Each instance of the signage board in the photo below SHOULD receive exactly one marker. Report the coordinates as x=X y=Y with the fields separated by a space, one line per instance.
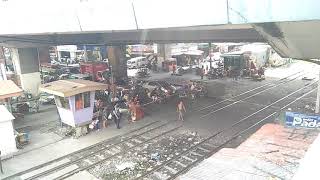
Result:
x=295 y=119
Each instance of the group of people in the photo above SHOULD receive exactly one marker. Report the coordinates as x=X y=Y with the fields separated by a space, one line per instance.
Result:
x=112 y=104
x=105 y=112
x=192 y=90
x=107 y=107
x=157 y=95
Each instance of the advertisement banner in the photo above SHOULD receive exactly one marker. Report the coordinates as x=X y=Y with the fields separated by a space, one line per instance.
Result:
x=295 y=119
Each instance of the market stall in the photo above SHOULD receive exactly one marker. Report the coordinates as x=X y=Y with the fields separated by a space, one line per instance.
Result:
x=74 y=99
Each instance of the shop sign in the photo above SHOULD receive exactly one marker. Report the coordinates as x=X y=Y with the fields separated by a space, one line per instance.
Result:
x=295 y=119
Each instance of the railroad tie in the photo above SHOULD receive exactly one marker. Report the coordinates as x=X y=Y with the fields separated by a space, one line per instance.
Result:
x=173 y=171
x=129 y=144
x=108 y=152
x=203 y=149
x=137 y=140
x=187 y=158
x=143 y=138
x=115 y=150
x=179 y=163
x=101 y=157
x=209 y=145
x=88 y=161
x=196 y=154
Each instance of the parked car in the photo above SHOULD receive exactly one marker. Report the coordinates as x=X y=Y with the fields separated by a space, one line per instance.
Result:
x=137 y=62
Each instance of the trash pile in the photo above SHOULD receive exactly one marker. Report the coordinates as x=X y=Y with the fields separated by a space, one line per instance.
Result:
x=138 y=161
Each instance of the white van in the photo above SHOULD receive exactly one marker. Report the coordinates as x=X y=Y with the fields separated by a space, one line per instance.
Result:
x=137 y=62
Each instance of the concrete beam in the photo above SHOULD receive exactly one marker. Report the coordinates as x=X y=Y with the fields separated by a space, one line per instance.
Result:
x=225 y=33
x=298 y=40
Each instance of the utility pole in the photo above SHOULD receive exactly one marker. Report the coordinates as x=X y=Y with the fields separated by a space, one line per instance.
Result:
x=318 y=96
x=210 y=60
x=85 y=53
x=1 y=169
x=228 y=18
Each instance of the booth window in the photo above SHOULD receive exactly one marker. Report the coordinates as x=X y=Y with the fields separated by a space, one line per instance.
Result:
x=82 y=100
x=86 y=99
x=62 y=102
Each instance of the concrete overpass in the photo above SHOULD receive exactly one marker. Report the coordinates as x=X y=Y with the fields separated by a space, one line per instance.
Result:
x=289 y=26
x=218 y=33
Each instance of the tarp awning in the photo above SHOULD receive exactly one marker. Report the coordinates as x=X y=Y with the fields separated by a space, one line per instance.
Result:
x=189 y=52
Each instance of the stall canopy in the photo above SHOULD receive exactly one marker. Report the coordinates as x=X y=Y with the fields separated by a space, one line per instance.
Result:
x=67 y=88
x=188 y=52
x=9 y=89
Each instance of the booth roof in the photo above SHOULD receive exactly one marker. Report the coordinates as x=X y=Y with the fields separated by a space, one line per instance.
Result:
x=9 y=89
x=71 y=87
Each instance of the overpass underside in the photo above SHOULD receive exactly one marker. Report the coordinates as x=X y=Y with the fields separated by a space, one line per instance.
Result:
x=289 y=26
x=218 y=33
x=299 y=39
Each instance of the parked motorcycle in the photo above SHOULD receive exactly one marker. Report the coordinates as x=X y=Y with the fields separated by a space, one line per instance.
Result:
x=143 y=72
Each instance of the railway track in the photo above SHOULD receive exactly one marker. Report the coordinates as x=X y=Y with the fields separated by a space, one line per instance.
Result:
x=249 y=94
x=257 y=90
x=187 y=158
x=90 y=150
x=92 y=162
x=183 y=159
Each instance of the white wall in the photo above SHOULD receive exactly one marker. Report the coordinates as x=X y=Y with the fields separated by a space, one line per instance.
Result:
x=7 y=140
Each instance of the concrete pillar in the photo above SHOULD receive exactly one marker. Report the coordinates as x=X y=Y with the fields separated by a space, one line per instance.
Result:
x=2 y=65
x=164 y=51
x=2 y=57
x=44 y=56
x=116 y=57
x=26 y=63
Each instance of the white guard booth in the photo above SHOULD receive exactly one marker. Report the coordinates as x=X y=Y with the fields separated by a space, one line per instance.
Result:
x=7 y=139
x=8 y=89
x=74 y=99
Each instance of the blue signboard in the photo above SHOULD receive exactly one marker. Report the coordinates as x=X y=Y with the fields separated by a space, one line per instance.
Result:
x=295 y=119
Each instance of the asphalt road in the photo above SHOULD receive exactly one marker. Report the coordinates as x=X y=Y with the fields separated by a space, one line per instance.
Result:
x=215 y=116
